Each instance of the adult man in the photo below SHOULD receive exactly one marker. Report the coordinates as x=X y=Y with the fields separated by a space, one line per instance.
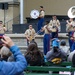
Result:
x=16 y=67
x=2 y=28
x=47 y=29
x=55 y=25
x=41 y=18
x=2 y=32
x=69 y=28
x=30 y=34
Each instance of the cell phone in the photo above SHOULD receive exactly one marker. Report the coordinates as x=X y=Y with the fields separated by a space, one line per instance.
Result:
x=1 y=37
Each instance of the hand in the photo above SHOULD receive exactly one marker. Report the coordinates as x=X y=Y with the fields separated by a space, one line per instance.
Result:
x=67 y=21
x=7 y=41
x=27 y=38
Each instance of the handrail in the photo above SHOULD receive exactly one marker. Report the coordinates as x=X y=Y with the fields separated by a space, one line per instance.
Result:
x=6 y=23
x=10 y=21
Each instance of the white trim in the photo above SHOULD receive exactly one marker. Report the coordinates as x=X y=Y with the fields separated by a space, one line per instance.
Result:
x=6 y=0
x=21 y=12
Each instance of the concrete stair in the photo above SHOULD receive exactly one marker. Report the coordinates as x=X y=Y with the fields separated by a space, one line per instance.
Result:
x=20 y=40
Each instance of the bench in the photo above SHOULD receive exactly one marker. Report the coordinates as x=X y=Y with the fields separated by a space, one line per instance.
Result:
x=50 y=67
x=45 y=69
x=60 y=64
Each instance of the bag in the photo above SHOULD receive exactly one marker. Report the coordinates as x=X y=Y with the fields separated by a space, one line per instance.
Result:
x=56 y=60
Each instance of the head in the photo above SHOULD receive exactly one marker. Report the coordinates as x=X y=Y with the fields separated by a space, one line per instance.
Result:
x=5 y=52
x=34 y=43
x=47 y=22
x=41 y=7
x=32 y=47
x=54 y=17
x=1 y=22
x=55 y=43
x=30 y=27
x=63 y=43
x=71 y=19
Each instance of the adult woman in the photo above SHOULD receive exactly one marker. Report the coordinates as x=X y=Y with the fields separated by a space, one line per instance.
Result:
x=33 y=55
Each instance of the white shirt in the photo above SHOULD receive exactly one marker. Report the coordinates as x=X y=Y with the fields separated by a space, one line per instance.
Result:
x=65 y=49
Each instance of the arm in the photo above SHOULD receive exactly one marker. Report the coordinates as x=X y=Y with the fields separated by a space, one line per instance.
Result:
x=26 y=35
x=16 y=67
x=58 y=23
x=49 y=28
x=4 y=28
x=42 y=14
x=49 y=54
x=50 y=23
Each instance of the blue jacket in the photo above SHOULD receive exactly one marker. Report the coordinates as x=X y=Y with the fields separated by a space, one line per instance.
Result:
x=13 y=68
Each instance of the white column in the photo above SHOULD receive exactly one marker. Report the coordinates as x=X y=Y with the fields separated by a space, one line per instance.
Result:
x=21 y=12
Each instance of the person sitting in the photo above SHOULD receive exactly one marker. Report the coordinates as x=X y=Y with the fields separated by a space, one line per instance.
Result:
x=15 y=67
x=71 y=58
x=56 y=52
x=64 y=47
x=33 y=56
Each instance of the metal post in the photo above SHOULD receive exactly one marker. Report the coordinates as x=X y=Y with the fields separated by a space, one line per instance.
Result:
x=21 y=12
x=4 y=16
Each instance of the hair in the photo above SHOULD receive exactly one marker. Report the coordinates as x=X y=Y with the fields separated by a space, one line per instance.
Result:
x=33 y=52
x=1 y=21
x=41 y=6
x=5 y=52
x=63 y=43
x=47 y=22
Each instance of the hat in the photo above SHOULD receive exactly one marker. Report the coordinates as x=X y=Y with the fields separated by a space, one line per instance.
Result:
x=55 y=42
x=63 y=42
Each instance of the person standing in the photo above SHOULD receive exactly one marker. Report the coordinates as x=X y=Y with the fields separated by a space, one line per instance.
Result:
x=55 y=25
x=16 y=67
x=30 y=34
x=2 y=32
x=69 y=28
x=46 y=40
x=2 y=28
x=41 y=18
x=73 y=39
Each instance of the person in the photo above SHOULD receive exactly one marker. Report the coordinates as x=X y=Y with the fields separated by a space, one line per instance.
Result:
x=41 y=18
x=16 y=67
x=30 y=34
x=33 y=56
x=64 y=47
x=56 y=52
x=2 y=32
x=69 y=28
x=2 y=28
x=47 y=36
x=55 y=23
x=5 y=53
x=73 y=39
x=71 y=58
